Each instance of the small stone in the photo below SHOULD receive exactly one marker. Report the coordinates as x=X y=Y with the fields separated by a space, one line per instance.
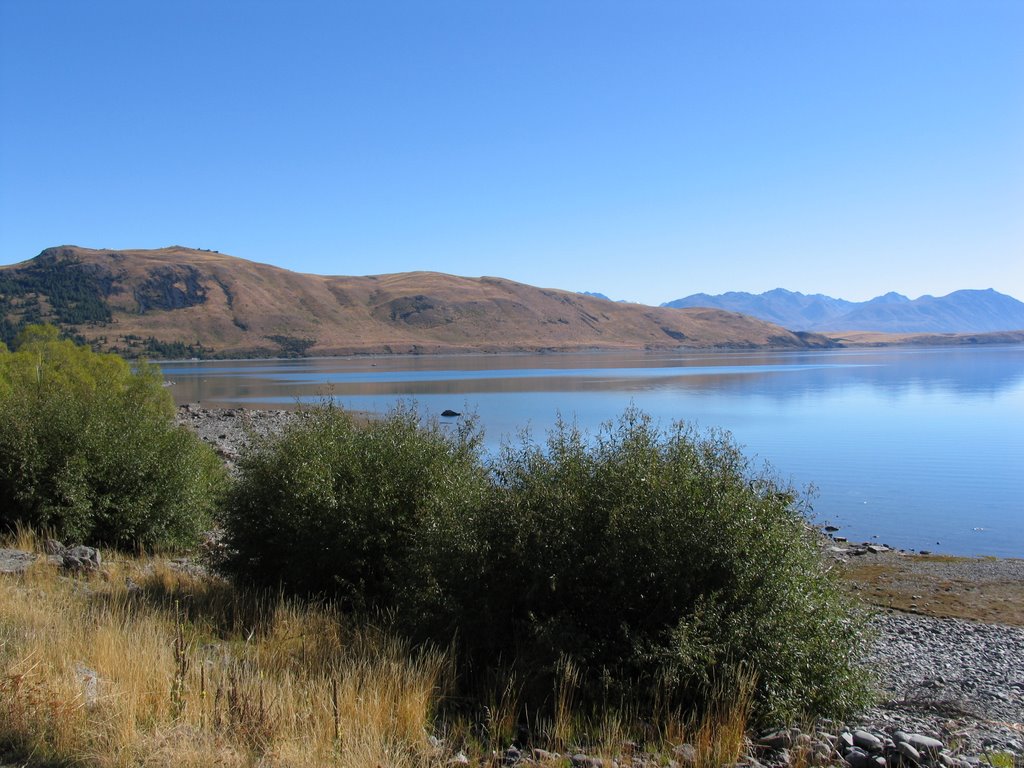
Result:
x=867 y=741
x=90 y=681
x=924 y=743
x=776 y=740
x=907 y=750
x=686 y=754
x=821 y=753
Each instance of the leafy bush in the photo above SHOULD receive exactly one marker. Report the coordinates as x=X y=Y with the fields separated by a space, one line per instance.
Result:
x=357 y=511
x=89 y=450
x=661 y=564
x=655 y=564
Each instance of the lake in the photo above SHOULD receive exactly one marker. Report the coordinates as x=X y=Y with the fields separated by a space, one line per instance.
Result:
x=919 y=448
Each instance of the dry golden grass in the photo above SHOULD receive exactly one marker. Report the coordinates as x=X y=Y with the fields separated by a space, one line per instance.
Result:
x=181 y=670
x=144 y=665
x=718 y=737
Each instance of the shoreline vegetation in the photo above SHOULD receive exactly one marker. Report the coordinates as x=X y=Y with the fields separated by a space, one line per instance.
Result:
x=841 y=340
x=360 y=592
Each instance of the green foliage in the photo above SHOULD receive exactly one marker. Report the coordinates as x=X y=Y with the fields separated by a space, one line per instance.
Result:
x=36 y=334
x=654 y=562
x=174 y=350
x=292 y=346
x=657 y=561
x=352 y=510
x=89 y=450
x=76 y=294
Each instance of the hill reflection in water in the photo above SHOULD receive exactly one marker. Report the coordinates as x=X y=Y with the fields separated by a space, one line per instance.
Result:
x=916 y=446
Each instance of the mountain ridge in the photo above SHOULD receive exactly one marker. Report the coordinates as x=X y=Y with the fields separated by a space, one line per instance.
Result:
x=183 y=302
x=962 y=311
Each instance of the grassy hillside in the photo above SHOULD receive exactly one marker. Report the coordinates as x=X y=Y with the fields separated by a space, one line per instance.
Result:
x=181 y=302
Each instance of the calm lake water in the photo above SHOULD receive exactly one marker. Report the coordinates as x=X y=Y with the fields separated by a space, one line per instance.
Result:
x=921 y=448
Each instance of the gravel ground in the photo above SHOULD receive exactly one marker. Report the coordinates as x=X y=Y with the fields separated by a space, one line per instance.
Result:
x=957 y=680
x=229 y=430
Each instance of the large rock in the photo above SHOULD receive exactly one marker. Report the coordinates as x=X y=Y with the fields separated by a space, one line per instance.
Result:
x=53 y=547
x=15 y=561
x=81 y=558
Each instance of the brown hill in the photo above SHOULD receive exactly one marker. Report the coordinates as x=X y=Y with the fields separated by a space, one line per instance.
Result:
x=179 y=301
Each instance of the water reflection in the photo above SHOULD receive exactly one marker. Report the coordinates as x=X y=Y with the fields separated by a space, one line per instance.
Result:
x=916 y=446
x=785 y=376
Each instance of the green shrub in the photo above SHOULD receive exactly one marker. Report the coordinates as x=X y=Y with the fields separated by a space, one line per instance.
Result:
x=658 y=562
x=655 y=564
x=89 y=450
x=354 y=510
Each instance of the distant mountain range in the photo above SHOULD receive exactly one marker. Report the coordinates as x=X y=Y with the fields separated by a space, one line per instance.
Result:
x=184 y=302
x=966 y=311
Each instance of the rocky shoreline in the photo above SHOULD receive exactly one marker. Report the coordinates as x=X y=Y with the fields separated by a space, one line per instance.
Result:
x=229 y=430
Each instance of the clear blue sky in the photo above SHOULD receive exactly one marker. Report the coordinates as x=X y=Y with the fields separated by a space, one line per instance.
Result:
x=647 y=150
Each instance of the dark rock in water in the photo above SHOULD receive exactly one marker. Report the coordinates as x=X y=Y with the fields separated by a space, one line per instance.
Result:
x=450 y=412
x=831 y=528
